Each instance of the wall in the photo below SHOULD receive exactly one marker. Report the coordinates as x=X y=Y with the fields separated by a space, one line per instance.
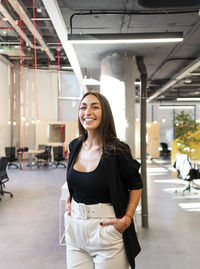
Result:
x=48 y=107
x=70 y=88
x=47 y=101
x=5 y=132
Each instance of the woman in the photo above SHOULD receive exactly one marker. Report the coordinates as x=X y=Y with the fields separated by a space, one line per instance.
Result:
x=105 y=188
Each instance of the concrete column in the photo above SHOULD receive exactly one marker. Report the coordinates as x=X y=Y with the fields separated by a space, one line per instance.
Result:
x=15 y=113
x=117 y=84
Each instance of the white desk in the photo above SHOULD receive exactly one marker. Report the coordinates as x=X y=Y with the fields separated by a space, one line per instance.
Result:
x=195 y=163
x=30 y=153
x=63 y=197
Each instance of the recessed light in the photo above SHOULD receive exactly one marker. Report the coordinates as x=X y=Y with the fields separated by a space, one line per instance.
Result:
x=39 y=10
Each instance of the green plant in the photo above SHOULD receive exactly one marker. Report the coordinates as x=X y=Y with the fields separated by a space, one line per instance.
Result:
x=184 y=129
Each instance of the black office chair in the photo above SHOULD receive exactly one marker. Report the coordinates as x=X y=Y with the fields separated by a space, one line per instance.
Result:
x=165 y=151
x=58 y=156
x=45 y=157
x=3 y=176
x=185 y=170
x=10 y=153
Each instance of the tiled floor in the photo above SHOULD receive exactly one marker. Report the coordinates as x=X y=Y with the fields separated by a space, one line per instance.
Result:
x=29 y=221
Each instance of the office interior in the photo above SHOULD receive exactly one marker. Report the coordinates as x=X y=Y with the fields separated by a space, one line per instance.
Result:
x=45 y=70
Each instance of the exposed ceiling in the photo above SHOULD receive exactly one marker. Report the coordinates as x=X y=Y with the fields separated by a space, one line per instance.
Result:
x=173 y=68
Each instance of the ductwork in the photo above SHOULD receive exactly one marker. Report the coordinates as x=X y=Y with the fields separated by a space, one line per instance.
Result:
x=18 y=8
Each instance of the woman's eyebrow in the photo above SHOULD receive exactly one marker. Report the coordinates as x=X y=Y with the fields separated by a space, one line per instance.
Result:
x=95 y=103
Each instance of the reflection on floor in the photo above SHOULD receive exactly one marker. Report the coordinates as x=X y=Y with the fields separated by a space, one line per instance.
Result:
x=29 y=221
x=172 y=239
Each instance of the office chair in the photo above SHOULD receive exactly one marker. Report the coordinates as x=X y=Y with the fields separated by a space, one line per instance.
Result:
x=165 y=151
x=3 y=176
x=45 y=157
x=185 y=171
x=58 y=156
x=10 y=153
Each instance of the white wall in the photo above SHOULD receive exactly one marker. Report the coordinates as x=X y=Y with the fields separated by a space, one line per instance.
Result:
x=5 y=134
x=47 y=100
x=70 y=88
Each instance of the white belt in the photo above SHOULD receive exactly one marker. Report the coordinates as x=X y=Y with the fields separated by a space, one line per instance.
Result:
x=100 y=210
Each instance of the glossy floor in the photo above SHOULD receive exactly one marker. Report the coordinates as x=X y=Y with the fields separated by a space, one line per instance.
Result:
x=29 y=221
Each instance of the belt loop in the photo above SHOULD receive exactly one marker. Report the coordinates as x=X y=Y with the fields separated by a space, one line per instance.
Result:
x=83 y=211
x=100 y=210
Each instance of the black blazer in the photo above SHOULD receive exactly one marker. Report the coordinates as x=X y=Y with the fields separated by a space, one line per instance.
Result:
x=121 y=171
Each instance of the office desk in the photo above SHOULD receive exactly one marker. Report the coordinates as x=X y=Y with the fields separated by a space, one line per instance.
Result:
x=30 y=153
x=63 y=197
x=195 y=163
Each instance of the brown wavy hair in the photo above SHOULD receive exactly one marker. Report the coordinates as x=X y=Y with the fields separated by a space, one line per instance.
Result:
x=106 y=129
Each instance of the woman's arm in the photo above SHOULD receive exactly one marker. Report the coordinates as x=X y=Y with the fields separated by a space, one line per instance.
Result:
x=121 y=224
x=134 y=199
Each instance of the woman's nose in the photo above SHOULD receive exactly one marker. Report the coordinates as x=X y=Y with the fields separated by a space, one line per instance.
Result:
x=88 y=110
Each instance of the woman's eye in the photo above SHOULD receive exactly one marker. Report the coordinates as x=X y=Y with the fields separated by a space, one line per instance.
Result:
x=95 y=107
x=82 y=107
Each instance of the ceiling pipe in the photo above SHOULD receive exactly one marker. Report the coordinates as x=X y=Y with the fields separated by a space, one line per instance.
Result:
x=20 y=11
x=163 y=12
x=182 y=74
x=16 y=27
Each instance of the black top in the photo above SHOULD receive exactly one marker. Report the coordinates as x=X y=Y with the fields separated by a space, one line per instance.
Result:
x=89 y=187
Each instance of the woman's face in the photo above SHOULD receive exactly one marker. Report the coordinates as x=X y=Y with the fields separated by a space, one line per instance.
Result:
x=90 y=112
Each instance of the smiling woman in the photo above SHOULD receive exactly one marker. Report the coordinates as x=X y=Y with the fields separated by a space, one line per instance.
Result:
x=105 y=188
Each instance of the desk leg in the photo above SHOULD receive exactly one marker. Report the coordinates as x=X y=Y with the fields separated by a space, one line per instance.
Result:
x=30 y=161
x=61 y=233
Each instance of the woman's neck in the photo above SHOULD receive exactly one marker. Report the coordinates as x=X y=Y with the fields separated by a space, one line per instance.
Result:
x=92 y=140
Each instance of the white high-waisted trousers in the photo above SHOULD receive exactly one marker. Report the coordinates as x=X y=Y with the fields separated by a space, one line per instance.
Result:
x=90 y=245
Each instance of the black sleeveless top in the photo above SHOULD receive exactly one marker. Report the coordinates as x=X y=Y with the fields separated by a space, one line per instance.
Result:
x=89 y=187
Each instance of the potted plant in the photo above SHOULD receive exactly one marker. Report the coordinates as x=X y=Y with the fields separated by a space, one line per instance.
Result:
x=184 y=131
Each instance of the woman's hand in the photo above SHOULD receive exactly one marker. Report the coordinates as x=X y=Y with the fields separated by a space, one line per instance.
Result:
x=119 y=224
x=68 y=205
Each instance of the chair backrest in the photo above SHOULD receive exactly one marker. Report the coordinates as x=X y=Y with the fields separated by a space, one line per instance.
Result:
x=48 y=149
x=25 y=149
x=3 y=164
x=41 y=147
x=183 y=165
x=163 y=145
x=58 y=151
x=10 y=151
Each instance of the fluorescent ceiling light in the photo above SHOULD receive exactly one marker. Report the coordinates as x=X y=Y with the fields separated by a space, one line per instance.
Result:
x=137 y=83
x=188 y=99
x=69 y=98
x=175 y=107
x=136 y=38
x=66 y=67
x=195 y=74
x=91 y=81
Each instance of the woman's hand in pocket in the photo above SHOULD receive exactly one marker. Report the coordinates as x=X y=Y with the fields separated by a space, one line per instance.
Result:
x=120 y=224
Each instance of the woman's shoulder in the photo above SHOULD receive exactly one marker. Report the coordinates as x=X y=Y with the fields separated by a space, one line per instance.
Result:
x=117 y=148
x=74 y=143
x=125 y=156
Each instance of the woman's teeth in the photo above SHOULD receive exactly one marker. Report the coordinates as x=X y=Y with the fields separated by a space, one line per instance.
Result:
x=89 y=119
